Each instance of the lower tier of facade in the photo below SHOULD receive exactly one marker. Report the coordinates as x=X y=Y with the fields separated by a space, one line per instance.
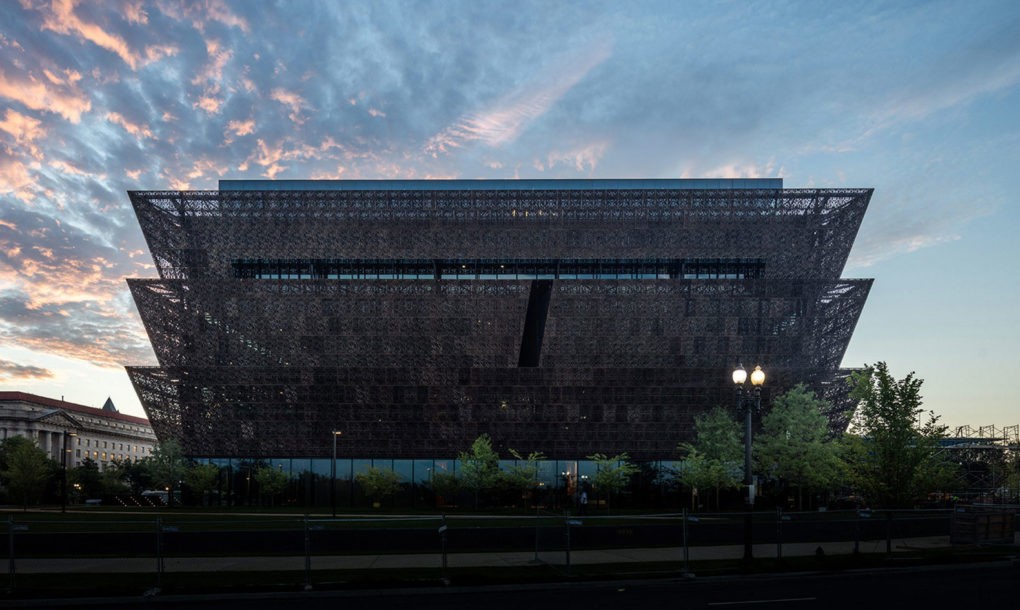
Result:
x=422 y=413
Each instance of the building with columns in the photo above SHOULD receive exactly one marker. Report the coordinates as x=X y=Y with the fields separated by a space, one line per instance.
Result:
x=103 y=434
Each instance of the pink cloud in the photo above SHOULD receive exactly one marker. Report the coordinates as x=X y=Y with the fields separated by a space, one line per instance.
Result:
x=132 y=128
x=12 y=371
x=209 y=102
x=62 y=19
x=241 y=128
x=25 y=130
x=291 y=100
x=15 y=178
x=203 y=167
x=60 y=98
x=135 y=13
x=218 y=58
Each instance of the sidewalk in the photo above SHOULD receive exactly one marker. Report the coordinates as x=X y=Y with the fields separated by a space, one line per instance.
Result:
x=461 y=560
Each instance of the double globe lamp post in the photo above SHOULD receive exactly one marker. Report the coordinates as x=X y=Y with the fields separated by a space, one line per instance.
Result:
x=749 y=402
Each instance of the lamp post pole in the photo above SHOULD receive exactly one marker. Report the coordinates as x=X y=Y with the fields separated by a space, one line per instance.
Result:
x=746 y=403
x=332 y=473
x=63 y=465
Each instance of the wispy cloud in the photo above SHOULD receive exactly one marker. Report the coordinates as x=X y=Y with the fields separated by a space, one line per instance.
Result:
x=56 y=95
x=61 y=18
x=504 y=120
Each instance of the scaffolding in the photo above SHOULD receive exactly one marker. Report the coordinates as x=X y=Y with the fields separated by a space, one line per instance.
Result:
x=989 y=459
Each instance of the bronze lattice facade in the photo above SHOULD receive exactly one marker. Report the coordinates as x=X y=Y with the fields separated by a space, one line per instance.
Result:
x=569 y=317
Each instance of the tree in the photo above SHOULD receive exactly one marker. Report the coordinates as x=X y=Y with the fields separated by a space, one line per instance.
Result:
x=202 y=479
x=114 y=477
x=444 y=485
x=271 y=481
x=719 y=436
x=696 y=471
x=612 y=473
x=794 y=444
x=27 y=470
x=479 y=467
x=523 y=475
x=378 y=483
x=86 y=478
x=893 y=458
x=714 y=460
x=166 y=465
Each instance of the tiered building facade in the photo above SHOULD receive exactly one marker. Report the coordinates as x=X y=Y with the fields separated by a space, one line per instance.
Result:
x=563 y=316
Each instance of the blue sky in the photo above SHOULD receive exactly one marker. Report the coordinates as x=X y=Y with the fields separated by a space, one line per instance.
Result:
x=919 y=100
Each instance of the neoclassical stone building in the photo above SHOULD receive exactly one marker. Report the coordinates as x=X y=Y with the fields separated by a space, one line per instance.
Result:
x=104 y=434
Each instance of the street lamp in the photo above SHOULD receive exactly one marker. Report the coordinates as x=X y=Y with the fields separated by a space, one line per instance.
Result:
x=63 y=467
x=332 y=473
x=749 y=403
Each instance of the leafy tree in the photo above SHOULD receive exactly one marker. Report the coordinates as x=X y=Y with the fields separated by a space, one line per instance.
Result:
x=719 y=436
x=202 y=479
x=714 y=460
x=137 y=475
x=114 y=477
x=166 y=465
x=612 y=473
x=893 y=458
x=87 y=477
x=696 y=471
x=271 y=481
x=479 y=466
x=27 y=470
x=523 y=475
x=444 y=484
x=378 y=483
x=794 y=444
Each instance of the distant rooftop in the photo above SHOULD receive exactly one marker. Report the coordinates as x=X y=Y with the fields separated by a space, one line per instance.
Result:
x=502 y=185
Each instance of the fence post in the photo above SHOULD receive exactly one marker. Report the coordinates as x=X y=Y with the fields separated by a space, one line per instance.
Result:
x=857 y=532
x=567 y=534
x=159 y=554
x=779 y=532
x=687 y=552
x=10 y=553
x=442 y=536
x=888 y=531
x=308 y=556
x=538 y=519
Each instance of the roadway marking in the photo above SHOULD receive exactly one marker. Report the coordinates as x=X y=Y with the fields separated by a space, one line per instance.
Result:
x=763 y=601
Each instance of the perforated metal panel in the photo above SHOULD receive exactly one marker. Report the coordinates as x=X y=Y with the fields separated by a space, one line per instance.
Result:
x=420 y=367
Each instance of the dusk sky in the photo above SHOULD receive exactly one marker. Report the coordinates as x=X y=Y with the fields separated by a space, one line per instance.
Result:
x=920 y=101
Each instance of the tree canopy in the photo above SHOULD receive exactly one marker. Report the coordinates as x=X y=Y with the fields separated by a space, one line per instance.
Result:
x=479 y=466
x=794 y=445
x=26 y=470
x=893 y=455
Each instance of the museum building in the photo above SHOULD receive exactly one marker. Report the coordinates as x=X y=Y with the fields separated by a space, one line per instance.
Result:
x=563 y=316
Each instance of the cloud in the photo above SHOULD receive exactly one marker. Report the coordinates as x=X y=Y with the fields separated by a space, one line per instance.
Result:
x=61 y=97
x=23 y=128
x=11 y=371
x=504 y=120
x=15 y=178
x=201 y=14
x=132 y=128
x=62 y=19
x=583 y=159
x=292 y=101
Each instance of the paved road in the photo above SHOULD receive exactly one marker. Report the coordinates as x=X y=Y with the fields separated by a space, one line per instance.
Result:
x=971 y=586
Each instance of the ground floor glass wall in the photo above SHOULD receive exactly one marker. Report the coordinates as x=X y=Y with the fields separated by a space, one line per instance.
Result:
x=313 y=483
